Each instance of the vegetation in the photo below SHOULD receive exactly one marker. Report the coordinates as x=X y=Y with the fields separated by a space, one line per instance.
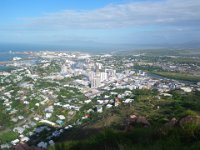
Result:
x=178 y=76
x=110 y=124
x=169 y=74
x=8 y=136
x=137 y=139
x=46 y=70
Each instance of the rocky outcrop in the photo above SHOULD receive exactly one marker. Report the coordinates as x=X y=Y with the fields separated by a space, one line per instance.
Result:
x=171 y=123
x=24 y=146
x=134 y=120
x=143 y=121
x=183 y=121
x=188 y=120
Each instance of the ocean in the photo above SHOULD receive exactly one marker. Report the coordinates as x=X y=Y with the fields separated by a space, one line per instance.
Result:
x=8 y=56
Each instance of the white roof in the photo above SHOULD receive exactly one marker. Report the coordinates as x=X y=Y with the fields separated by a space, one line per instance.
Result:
x=48 y=122
x=128 y=100
x=61 y=117
x=48 y=115
x=14 y=142
x=109 y=106
x=42 y=145
x=87 y=101
x=51 y=142
x=24 y=139
x=20 y=130
x=5 y=146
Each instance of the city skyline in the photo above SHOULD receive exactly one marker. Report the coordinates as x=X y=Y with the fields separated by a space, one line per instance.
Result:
x=106 y=24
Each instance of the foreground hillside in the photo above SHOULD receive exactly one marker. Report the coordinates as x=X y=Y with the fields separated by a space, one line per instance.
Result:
x=138 y=139
x=149 y=123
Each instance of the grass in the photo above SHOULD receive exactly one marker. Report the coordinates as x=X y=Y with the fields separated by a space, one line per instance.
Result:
x=157 y=137
x=137 y=139
x=146 y=104
x=178 y=76
x=173 y=75
x=179 y=105
x=8 y=136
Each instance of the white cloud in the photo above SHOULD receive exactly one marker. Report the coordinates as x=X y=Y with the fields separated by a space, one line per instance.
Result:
x=155 y=22
x=166 y=12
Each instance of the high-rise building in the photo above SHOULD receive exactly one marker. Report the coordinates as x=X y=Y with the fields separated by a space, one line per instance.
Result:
x=103 y=76
x=95 y=82
x=91 y=75
x=64 y=69
x=95 y=79
x=110 y=72
x=99 y=66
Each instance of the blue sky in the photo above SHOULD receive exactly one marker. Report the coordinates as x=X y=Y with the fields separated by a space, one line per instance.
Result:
x=102 y=24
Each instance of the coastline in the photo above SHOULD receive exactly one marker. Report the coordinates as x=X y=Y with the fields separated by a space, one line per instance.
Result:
x=6 y=57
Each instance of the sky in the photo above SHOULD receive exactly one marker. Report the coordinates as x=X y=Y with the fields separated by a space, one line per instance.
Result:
x=102 y=24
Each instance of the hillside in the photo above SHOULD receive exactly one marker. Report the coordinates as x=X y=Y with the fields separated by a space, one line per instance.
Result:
x=149 y=123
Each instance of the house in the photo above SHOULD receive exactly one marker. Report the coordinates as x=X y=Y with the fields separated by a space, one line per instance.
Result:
x=109 y=106
x=128 y=101
x=20 y=117
x=117 y=101
x=127 y=93
x=113 y=93
x=42 y=145
x=87 y=101
x=20 y=130
x=26 y=126
x=49 y=109
x=60 y=122
x=90 y=110
x=56 y=133
x=24 y=139
x=61 y=117
x=14 y=142
x=86 y=116
x=100 y=101
x=5 y=146
x=37 y=104
x=26 y=102
x=68 y=127
x=66 y=106
x=48 y=122
x=57 y=104
x=51 y=142
x=186 y=89
x=32 y=123
x=40 y=129
x=99 y=109
x=167 y=94
x=14 y=119
x=106 y=96
x=36 y=118
x=48 y=115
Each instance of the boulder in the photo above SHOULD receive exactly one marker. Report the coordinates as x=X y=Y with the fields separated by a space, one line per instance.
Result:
x=143 y=121
x=171 y=123
x=138 y=120
x=189 y=119
x=24 y=146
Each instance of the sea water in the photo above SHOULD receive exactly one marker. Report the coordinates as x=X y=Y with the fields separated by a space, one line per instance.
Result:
x=8 y=56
